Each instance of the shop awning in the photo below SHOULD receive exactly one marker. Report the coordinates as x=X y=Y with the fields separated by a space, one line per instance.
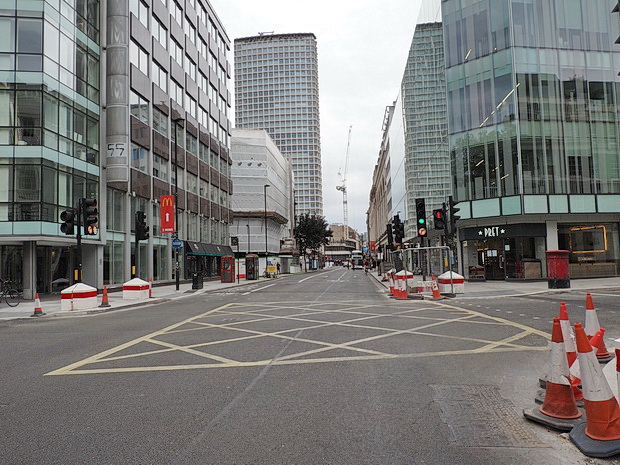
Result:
x=194 y=248
x=214 y=250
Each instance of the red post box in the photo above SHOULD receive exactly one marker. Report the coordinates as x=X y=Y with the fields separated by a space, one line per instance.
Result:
x=558 y=272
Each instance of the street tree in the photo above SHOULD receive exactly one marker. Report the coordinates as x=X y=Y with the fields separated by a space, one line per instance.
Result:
x=311 y=233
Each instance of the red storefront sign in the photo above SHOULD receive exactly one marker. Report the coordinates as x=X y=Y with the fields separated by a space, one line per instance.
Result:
x=166 y=213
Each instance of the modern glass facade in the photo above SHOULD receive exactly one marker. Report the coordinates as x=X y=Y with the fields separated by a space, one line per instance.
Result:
x=49 y=132
x=532 y=91
x=277 y=89
x=162 y=120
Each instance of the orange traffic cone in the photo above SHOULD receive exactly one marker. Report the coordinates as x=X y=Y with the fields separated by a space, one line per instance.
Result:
x=104 y=298
x=38 y=311
x=436 y=294
x=571 y=351
x=559 y=409
x=592 y=326
x=599 y=436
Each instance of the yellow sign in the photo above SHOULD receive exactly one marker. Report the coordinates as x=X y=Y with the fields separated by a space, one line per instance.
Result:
x=272 y=269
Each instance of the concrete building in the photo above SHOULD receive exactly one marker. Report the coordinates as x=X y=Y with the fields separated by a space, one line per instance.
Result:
x=66 y=136
x=343 y=242
x=379 y=213
x=263 y=200
x=277 y=89
x=533 y=135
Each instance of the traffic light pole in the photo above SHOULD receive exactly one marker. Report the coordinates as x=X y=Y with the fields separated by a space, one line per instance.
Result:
x=136 y=259
x=77 y=273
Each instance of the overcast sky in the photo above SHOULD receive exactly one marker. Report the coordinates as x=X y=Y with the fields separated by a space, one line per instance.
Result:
x=363 y=47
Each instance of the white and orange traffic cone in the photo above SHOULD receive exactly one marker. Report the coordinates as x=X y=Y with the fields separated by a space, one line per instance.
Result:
x=591 y=327
x=436 y=294
x=38 y=311
x=599 y=435
x=559 y=409
x=104 y=298
x=571 y=351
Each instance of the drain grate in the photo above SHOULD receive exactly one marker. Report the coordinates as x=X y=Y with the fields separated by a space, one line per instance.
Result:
x=479 y=417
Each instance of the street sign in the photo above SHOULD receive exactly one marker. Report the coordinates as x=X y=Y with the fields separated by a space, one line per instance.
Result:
x=177 y=243
x=166 y=213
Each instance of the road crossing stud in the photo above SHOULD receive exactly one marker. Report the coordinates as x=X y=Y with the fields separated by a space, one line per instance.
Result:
x=38 y=311
x=104 y=298
x=592 y=326
x=599 y=435
x=559 y=409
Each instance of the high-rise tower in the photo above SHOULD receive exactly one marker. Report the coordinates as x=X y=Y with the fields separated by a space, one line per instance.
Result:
x=277 y=89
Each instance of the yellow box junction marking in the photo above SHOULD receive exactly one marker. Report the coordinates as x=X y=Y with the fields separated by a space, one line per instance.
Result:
x=355 y=316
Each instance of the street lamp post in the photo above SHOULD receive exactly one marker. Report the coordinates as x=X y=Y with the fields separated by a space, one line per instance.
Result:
x=176 y=196
x=265 y=195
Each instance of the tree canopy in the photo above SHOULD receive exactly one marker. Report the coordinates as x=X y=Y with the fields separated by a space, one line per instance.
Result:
x=311 y=233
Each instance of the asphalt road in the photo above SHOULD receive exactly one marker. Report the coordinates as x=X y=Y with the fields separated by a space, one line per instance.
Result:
x=321 y=368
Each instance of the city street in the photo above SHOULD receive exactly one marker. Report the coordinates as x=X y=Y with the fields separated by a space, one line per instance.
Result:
x=313 y=368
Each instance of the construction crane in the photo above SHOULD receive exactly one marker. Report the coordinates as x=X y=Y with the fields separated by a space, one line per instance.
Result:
x=342 y=174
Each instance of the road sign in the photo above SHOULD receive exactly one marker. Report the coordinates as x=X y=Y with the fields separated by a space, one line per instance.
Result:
x=166 y=213
x=177 y=243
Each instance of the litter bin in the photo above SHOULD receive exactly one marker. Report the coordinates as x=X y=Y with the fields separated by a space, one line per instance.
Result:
x=196 y=280
x=558 y=272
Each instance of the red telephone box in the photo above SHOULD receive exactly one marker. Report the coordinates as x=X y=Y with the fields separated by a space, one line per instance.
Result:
x=228 y=270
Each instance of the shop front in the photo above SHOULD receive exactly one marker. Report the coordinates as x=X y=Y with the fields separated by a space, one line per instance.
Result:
x=204 y=259
x=504 y=252
x=594 y=249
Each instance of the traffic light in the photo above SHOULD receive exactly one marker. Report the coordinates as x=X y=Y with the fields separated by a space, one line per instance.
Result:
x=439 y=218
x=420 y=209
x=89 y=213
x=399 y=230
x=453 y=214
x=390 y=236
x=68 y=221
x=142 y=230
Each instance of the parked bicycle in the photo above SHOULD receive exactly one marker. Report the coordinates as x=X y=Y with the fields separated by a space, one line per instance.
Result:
x=9 y=292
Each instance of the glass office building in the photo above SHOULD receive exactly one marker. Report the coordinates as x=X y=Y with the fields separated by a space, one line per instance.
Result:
x=89 y=95
x=50 y=100
x=277 y=89
x=533 y=112
x=423 y=92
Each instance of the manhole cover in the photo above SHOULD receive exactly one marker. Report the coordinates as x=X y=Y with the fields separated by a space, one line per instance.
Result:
x=479 y=417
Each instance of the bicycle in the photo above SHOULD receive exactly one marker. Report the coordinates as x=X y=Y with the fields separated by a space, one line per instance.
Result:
x=10 y=293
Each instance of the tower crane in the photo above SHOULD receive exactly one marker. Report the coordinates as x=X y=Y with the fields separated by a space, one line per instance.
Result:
x=342 y=174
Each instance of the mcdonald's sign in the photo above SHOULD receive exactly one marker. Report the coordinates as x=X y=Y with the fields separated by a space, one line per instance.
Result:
x=166 y=213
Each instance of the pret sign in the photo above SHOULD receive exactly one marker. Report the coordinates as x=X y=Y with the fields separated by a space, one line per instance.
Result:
x=166 y=213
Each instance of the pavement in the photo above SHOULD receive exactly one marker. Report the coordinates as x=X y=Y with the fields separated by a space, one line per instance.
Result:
x=50 y=304
x=161 y=292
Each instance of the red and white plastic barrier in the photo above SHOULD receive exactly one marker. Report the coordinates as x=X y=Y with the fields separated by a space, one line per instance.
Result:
x=451 y=282
x=136 y=289
x=80 y=296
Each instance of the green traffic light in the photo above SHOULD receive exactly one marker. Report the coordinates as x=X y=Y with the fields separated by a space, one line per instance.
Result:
x=421 y=220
